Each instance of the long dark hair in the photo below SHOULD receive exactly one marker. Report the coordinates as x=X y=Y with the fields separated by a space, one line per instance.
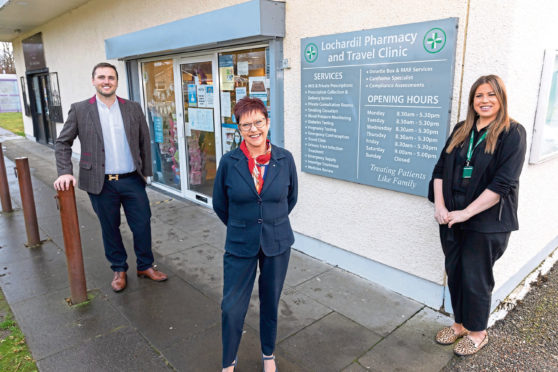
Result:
x=501 y=123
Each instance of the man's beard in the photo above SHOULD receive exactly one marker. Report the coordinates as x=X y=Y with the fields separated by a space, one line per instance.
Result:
x=106 y=95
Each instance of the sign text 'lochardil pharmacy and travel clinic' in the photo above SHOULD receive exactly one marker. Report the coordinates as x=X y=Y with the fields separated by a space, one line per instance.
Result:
x=376 y=103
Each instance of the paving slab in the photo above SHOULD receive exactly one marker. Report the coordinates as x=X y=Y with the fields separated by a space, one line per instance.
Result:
x=214 y=233
x=303 y=268
x=162 y=204
x=178 y=214
x=120 y=350
x=13 y=249
x=99 y=275
x=32 y=277
x=330 y=344
x=200 y=353
x=163 y=312
x=168 y=239
x=201 y=266
x=296 y=312
x=367 y=303
x=51 y=325
x=12 y=225
x=412 y=347
x=355 y=367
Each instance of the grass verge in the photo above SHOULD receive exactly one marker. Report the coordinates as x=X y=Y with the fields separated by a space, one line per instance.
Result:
x=12 y=121
x=14 y=353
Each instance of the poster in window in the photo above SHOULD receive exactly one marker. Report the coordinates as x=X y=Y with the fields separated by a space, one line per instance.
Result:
x=226 y=104
x=240 y=93
x=226 y=74
x=242 y=68
x=192 y=95
x=158 y=128
x=200 y=119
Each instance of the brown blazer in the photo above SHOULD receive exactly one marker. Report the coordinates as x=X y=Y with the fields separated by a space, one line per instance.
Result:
x=83 y=122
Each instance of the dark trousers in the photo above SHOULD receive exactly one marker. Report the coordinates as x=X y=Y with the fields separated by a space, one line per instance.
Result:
x=469 y=259
x=130 y=193
x=240 y=273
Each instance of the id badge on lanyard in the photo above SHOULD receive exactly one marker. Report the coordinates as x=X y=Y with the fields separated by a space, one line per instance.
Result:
x=468 y=168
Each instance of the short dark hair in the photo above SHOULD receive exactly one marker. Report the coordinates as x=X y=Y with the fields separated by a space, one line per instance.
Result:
x=247 y=105
x=103 y=64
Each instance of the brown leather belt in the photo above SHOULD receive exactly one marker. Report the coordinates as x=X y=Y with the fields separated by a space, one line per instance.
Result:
x=116 y=177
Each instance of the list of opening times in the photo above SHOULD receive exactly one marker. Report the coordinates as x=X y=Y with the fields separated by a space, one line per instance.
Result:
x=372 y=127
x=376 y=103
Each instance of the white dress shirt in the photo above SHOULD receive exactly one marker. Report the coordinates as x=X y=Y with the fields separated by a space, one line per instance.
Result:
x=118 y=158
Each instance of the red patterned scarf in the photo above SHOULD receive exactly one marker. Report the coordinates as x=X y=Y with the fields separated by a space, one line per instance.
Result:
x=255 y=164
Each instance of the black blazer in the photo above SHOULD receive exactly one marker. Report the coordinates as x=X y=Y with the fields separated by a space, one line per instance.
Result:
x=253 y=220
x=498 y=172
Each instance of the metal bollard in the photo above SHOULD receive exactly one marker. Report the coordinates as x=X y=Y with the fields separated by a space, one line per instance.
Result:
x=27 y=201
x=4 y=188
x=72 y=243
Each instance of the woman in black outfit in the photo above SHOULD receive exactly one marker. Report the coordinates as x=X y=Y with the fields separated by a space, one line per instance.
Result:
x=474 y=188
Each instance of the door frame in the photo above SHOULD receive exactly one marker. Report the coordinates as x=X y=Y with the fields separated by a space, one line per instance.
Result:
x=44 y=126
x=276 y=78
x=213 y=58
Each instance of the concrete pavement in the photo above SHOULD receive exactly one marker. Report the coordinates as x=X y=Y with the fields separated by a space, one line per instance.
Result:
x=329 y=319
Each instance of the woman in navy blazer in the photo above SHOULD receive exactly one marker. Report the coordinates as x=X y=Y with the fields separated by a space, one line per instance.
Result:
x=255 y=190
x=475 y=188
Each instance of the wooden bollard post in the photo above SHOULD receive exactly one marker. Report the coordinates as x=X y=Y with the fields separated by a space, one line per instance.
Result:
x=4 y=188
x=72 y=244
x=27 y=201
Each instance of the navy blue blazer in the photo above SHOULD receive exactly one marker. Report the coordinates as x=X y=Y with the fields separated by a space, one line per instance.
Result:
x=253 y=220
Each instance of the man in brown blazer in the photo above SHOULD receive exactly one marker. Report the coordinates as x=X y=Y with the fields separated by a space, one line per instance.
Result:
x=115 y=160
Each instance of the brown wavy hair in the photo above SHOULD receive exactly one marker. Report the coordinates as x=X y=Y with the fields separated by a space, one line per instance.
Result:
x=500 y=124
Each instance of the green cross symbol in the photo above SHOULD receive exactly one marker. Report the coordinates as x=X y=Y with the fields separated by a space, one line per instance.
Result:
x=311 y=52
x=434 y=40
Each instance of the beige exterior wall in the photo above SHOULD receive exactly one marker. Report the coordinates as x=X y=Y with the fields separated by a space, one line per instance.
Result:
x=74 y=42
x=512 y=46
x=389 y=227
x=505 y=37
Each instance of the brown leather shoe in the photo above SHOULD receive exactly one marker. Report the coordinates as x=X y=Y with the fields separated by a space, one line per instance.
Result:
x=119 y=281
x=153 y=274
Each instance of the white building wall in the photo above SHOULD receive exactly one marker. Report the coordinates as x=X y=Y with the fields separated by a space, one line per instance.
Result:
x=395 y=229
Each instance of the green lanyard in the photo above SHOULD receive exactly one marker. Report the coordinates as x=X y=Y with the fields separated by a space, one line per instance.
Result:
x=471 y=148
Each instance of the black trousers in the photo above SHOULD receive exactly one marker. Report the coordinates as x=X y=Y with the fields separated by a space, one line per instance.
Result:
x=240 y=273
x=130 y=193
x=469 y=259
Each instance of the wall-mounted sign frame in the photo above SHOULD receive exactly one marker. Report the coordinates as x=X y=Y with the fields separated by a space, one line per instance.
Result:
x=34 y=52
x=376 y=103
x=545 y=132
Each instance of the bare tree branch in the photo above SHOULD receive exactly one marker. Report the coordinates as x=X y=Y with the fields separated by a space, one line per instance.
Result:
x=7 y=63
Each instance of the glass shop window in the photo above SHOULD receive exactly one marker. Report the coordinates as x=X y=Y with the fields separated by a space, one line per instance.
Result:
x=158 y=80
x=241 y=73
